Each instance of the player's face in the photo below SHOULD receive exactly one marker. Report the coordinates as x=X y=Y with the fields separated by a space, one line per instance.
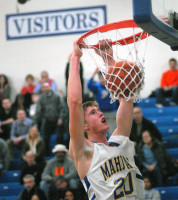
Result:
x=95 y=120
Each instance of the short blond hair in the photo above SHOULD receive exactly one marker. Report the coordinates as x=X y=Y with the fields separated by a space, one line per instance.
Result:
x=89 y=104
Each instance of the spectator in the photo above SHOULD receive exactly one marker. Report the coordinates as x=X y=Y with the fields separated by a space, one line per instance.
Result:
x=31 y=166
x=169 y=85
x=4 y=156
x=59 y=174
x=31 y=191
x=7 y=116
x=150 y=193
x=49 y=113
x=141 y=124
x=69 y=195
x=63 y=129
x=19 y=132
x=103 y=99
x=4 y=88
x=35 y=144
x=67 y=70
x=45 y=79
x=32 y=110
x=155 y=159
x=27 y=90
x=19 y=103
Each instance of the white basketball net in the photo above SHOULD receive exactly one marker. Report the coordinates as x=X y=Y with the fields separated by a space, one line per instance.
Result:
x=134 y=53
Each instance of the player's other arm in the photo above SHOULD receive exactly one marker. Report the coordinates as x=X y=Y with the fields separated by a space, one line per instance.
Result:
x=124 y=117
x=74 y=99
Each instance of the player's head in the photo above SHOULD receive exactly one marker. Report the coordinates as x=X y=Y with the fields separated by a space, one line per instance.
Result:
x=101 y=79
x=172 y=64
x=94 y=120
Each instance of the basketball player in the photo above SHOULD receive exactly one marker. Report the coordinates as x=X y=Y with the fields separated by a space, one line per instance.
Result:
x=106 y=168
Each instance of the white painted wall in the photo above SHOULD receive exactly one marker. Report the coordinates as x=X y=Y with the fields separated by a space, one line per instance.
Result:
x=20 y=57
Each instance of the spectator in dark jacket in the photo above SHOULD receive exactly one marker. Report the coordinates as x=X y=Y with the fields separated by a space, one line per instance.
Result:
x=7 y=116
x=154 y=158
x=141 y=124
x=49 y=113
x=35 y=144
x=5 y=89
x=31 y=191
x=31 y=166
x=4 y=156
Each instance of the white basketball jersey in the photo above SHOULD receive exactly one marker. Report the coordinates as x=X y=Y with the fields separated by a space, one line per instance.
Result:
x=113 y=174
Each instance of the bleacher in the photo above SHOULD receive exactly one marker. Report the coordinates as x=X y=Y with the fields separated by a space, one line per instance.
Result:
x=166 y=119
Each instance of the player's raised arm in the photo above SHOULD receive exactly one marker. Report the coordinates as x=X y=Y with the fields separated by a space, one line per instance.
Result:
x=124 y=117
x=74 y=99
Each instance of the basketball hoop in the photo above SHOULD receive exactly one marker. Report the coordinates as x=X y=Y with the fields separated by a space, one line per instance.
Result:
x=127 y=49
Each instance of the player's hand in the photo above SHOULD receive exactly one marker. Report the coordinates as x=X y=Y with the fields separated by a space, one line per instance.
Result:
x=76 y=50
x=105 y=51
x=105 y=47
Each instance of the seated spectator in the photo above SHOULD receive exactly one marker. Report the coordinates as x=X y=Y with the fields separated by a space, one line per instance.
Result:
x=27 y=90
x=169 y=85
x=141 y=124
x=7 y=116
x=50 y=113
x=19 y=103
x=31 y=191
x=19 y=132
x=59 y=174
x=31 y=166
x=69 y=195
x=155 y=160
x=45 y=79
x=32 y=110
x=35 y=144
x=150 y=193
x=4 y=88
x=4 y=156
x=103 y=99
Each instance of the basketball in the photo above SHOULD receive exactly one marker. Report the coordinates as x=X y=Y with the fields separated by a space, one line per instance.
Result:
x=123 y=77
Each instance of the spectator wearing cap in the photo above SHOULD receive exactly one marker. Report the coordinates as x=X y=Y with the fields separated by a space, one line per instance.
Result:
x=59 y=174
x=27 y=90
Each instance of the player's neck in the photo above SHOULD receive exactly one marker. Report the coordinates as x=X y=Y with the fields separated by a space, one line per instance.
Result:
x=99 y=138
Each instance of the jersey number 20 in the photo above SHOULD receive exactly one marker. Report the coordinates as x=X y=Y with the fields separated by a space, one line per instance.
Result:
x=118 y=193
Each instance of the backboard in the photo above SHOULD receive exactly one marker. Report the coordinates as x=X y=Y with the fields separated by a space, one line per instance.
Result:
x=149 y=14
